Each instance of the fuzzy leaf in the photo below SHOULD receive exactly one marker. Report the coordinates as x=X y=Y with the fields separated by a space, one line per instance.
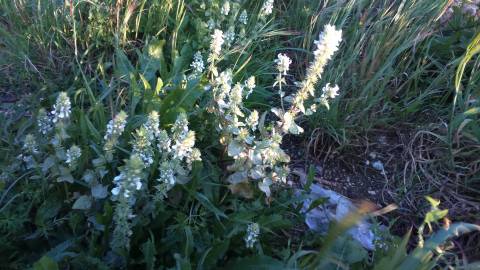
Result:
x=48 y=163
x=99 y=191
x=83 y=202
x=238 y=177
x=235 y=148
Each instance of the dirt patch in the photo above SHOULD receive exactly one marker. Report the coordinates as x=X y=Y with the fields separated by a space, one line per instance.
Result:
x=365 y=171
x=386 y=167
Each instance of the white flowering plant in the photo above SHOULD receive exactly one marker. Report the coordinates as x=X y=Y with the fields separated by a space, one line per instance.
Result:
x=166 y=147
x=169 y=141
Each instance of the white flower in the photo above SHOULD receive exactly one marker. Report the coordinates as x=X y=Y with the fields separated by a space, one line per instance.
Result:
x=250 y=85
x=211 y=24
x=164 y=141
x=216 y=45
x=225 y=10
x=152 y=126
x=184 y=145
x=253 y=231
x=230 y=36
x=142 y=146
x=327 y=44
x=222 y=89
x=62 y=108
x=30 y=144
x=328 y=41
x=73 y=154
x=180 y=127
x=243 y=17
x=167 y=174
x=116 y=126
x=236 y=97
x=252 y=120
x=195 y=155
x=224 y=79
x=311 y=110
x=197 y=65
x=44 y=122
x=130 y=178
x=267 y=8
x=330 y=92
x=283 y=63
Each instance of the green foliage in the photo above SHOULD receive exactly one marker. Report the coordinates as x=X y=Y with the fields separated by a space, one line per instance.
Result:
x=89 y=187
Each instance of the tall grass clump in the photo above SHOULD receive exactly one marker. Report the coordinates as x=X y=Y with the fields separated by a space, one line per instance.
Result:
x=397 y=70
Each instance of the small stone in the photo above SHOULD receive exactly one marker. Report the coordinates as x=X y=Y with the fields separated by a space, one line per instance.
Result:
x=378 y=165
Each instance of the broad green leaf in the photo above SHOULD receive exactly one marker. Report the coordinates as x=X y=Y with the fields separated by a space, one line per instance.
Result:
x=48 y=210
x=83 y=202
x=260 y=262
x=99 y=191
x=123 y=66
x=45 y=263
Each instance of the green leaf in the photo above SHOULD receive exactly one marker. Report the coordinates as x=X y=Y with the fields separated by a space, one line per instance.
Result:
x=99 y=191
x=259 y=262
x=188 y=241
x=182 y=263
x=152 y=60
x=214 y=254
x=65 y=175
x=421 y=256
x=136 y=94
x=472 y=111
x=209 y=205
x=179 y=99
x=432 y=201
x=83 y=202
x=48 y=210
x=316 y=203
x=149 y=252
x=435 y=215
x=395 y=255
x=48 y=163
x=472 y=49
x=123 y=67
x=349 y=250
x=310 y=177
x=158 y=86
x=60 y=251
x=45 y=263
